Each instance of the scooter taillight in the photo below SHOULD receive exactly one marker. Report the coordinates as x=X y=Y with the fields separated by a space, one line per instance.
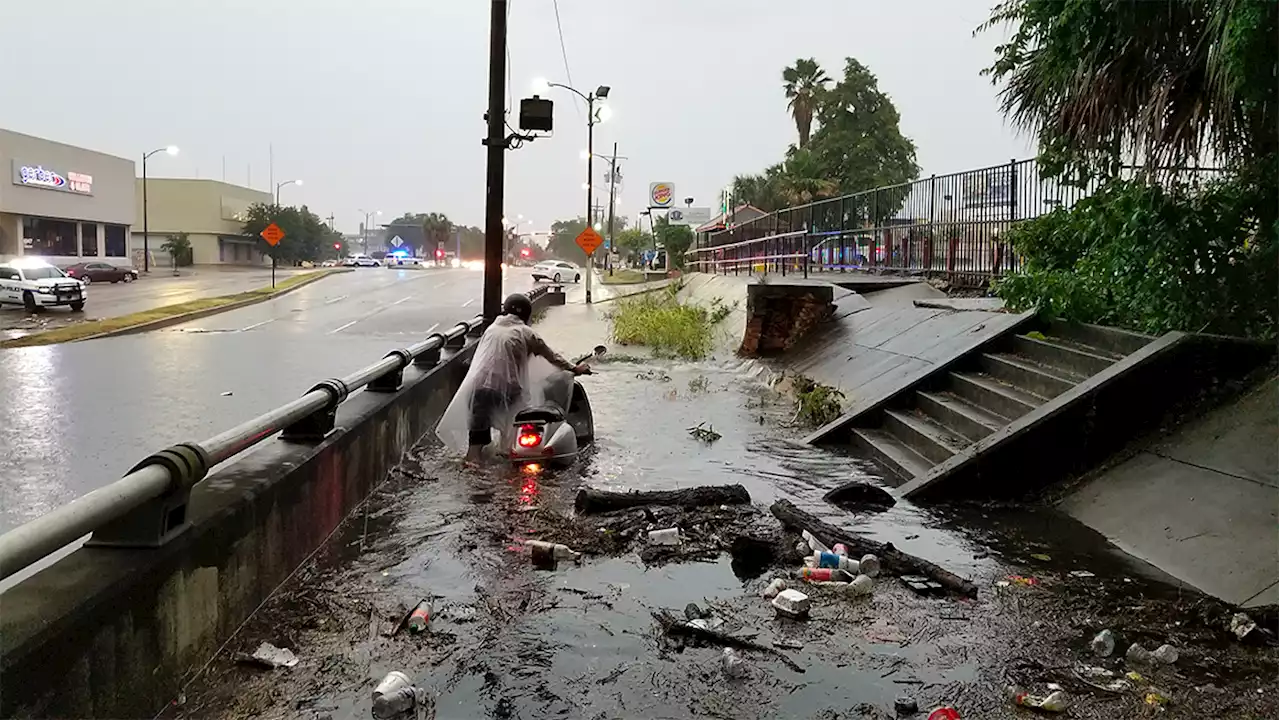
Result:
x=530 y=436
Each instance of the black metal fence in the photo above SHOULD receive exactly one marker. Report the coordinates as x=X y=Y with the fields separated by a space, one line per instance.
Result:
x=948 y=225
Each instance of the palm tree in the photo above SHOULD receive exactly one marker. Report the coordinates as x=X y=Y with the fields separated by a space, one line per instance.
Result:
x=761 y=191
x=437 y=228
x=803 y=82
x=802 y=179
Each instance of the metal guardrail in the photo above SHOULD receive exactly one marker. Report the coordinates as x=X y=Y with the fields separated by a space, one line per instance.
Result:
x=148 y=506
x=950 y=225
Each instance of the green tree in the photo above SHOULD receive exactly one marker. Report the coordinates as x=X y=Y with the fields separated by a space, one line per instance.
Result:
x=803 y=179
x=178 y=246
x=858 y=144
x=1159 y=83
x=763 y=190
x=675 y=238
x=633 y=241
x=803 y=83
x=305 y=234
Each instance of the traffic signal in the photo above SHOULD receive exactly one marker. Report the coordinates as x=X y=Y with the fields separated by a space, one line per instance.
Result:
x=524 y=252
x=337 y=246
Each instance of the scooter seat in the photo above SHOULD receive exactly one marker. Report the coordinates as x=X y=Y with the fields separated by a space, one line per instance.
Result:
x=546 y=413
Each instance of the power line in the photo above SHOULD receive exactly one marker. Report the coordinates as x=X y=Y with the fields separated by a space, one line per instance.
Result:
x=564 y=53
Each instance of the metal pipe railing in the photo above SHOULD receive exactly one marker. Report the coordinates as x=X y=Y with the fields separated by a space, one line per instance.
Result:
x=173 y=472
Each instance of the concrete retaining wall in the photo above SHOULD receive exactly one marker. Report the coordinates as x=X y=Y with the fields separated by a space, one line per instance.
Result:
x=115 y=633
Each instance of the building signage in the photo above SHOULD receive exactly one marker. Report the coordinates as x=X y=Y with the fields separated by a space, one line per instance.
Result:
x=39 y=176
x=689 y=216
x=661 y=194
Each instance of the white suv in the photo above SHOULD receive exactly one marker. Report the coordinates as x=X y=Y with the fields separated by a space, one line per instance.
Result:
x=35 y=284
x=557 y=271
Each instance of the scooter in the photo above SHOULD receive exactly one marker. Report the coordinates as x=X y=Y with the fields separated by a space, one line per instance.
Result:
x=554 y=432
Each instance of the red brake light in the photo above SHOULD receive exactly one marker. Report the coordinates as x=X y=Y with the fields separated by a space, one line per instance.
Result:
x=529 y=436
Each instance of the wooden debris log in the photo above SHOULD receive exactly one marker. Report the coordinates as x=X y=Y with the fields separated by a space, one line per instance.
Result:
x=597 y=501
x=891 y=558
x=680 y=627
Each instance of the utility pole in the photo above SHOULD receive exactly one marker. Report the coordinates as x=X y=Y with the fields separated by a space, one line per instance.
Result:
x=496 y=145
x=613 y=175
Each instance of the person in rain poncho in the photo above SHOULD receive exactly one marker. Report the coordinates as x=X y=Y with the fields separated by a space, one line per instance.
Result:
x=498 y=379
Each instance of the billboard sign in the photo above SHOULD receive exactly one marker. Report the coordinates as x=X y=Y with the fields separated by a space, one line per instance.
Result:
x=661 y=194
x=694 y=216
x=38 y=176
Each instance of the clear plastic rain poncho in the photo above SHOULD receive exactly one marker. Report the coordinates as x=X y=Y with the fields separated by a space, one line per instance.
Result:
x=512 y=360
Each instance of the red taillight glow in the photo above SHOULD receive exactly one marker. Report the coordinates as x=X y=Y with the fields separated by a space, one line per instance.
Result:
x=529 y=436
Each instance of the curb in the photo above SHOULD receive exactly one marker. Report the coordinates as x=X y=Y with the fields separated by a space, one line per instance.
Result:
x=193 y=315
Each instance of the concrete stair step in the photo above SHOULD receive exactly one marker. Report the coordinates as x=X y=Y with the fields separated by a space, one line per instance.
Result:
x=958 y=415
x=1060 y=354
x=923 y=435
x=1099 y=338
x=992 y=395
x=1027 y=375
x=891 y=453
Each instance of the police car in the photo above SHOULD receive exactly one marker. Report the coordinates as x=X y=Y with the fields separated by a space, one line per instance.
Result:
x=35 y=284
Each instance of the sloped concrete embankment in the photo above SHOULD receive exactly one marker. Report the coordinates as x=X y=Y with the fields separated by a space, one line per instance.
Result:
x=115 y=632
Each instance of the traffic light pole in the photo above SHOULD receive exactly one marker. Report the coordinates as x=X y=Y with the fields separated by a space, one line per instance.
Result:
x=494 y=231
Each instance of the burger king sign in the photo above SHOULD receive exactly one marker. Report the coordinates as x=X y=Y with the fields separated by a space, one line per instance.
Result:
x=661 y=194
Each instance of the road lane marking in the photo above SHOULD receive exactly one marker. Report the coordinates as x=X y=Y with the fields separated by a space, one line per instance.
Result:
x=468 y=302
x=255 y=325
x=343 y=327
x=334 y=300
x=366 y=317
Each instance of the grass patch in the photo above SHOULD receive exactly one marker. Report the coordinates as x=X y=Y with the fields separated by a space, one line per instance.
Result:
x=670 y=328
x=176 y=312
x=624 y=277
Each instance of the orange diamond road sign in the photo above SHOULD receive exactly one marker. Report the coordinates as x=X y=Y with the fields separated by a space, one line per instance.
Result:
x=273 y=234
x=589 y=240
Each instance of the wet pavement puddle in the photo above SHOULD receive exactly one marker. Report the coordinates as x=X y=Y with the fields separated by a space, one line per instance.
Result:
x=508 y=641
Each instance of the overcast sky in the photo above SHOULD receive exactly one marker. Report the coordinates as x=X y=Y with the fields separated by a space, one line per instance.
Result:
x=378 y=104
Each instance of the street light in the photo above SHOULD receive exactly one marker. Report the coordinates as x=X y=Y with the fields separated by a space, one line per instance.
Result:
x=594 y=116
x=280 y=185
x=146 y=246
x=364 y=230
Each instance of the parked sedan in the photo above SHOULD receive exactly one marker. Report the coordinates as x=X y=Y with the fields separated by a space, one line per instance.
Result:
x=91 y=272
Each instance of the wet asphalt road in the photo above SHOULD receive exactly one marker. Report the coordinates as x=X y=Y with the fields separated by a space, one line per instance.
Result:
x=78 y=416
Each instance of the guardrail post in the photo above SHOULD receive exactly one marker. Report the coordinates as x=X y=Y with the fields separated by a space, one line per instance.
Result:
x=430 y=357
x=317 y=426
x=161 y=519
x=392 y=381
x=454 y=343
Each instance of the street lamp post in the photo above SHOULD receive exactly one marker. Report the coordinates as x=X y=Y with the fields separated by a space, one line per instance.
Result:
x=364 y=229
x=601 y=93
x=280 y=185
x=146 y=244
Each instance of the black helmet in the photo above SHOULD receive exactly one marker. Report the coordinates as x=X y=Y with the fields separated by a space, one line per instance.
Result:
x=518 y=304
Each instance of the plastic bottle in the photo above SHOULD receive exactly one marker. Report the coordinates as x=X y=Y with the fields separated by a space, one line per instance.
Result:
x=833 y=560
x=394 y=695
x=545 y=554
x=1055 y=701
x=869 y=565
x=1104 y=643
x=421 y=617
x=814 y=544
x=1166 y=654
x=862 y=585
x=826 y=575
x=840 y=549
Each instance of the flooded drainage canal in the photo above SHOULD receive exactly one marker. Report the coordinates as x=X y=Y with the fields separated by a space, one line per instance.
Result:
x=506 y=640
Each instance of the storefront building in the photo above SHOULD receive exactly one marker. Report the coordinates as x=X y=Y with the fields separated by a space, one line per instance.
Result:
x=63 y=203
x=210 y=213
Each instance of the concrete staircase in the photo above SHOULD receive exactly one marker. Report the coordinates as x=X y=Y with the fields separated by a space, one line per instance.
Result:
x=983 y=392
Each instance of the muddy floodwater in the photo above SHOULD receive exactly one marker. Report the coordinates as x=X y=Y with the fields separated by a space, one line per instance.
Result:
x=581 y=641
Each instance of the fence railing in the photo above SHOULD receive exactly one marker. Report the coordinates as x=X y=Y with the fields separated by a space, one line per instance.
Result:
x=148 y=506
x=950 y=225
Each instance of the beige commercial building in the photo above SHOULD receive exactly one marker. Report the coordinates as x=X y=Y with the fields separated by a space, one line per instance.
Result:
x=64 y=203
x=211 y=213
